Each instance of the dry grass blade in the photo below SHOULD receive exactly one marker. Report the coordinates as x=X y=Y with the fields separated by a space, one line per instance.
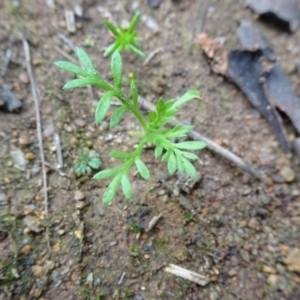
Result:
x=39 y=132
x=186 y=274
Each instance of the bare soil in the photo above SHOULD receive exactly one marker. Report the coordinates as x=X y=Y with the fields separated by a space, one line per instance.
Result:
x=241 y=233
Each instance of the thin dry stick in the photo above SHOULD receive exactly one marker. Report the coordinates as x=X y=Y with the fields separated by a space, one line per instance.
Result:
x=39 y=132
x=246 y=166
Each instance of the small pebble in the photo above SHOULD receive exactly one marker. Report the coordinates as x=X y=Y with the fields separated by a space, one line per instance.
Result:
x=79 y=196
x=3 y=198
x=80 y=205
x=287 y=174
x=24 y=78
x=29 y=156
x=26 y=249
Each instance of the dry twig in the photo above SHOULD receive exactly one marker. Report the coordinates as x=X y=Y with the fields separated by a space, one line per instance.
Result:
x=39 y=132
x=246 y=166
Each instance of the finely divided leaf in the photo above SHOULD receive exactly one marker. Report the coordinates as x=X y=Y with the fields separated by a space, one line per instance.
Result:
x=112 y=28
x=135 y=49
x=126 y=186
x=119 y=154
x=105 y=174
x=189 y=95
x=111 y=49
x=117 y=69
x=142 y=168
x=178 y=131
x=112 y=189
x=193 y=145
x=87 y=81
x=78 y=83
x=172 y=165
x=158 y=151
x=134 y=21
x=189 y=155
x=179 y=163
x=70 y=67
x=189 y=168
x=103 y=107
x=86 y=61
x=117 y=116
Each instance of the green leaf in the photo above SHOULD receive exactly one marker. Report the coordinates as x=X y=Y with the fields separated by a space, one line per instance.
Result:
x=117 y=116
x=105 y=174
x=134 y=92
x=112 y=189
x=86 y=61
x=193 y=145
x=126 y=186
x=112 y=28
x=87 y=81
x=179 y=163
x=189 y=168
x=189 y=155
x=95 y=163
x=103 y=107
x=167 y=155
x=178 y=131
x=160 y=106
x=170 y=103
x=70 y=67
x=133 y=22
x=142 y=168
x=172 y=165
x=189 y=95
x=119 y=154
x=152 y=116
x=111 y=49
x=117 y=69
x=135 y=49
x=158 y=151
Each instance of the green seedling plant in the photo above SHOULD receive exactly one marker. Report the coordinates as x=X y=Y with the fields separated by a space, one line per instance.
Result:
x=126 y=39
x=87 y=162
x=177 y=155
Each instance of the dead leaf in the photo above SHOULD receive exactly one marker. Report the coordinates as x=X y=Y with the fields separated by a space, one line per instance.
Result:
x=287 y=11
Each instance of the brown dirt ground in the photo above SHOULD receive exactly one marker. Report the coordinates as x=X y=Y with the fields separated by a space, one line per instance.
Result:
x=248 y=228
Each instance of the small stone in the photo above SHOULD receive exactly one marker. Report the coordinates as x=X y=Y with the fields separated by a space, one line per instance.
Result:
x=254 y=224
x=80 y=205
x=293 y=260
x=19 y=159
x=287 y=174
x=90 y=278
x=101 y=211
x=277 y=282
x=23 y=141
x=38 y=271
x=153 y=3
x=29 y=156
x=49 y=265
x=80 y=122
x=33 y=224
x=283 y=161
x=24 y=78
x=26 y=249
x=79 y=196
x=3 y=198
x=61 y=231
